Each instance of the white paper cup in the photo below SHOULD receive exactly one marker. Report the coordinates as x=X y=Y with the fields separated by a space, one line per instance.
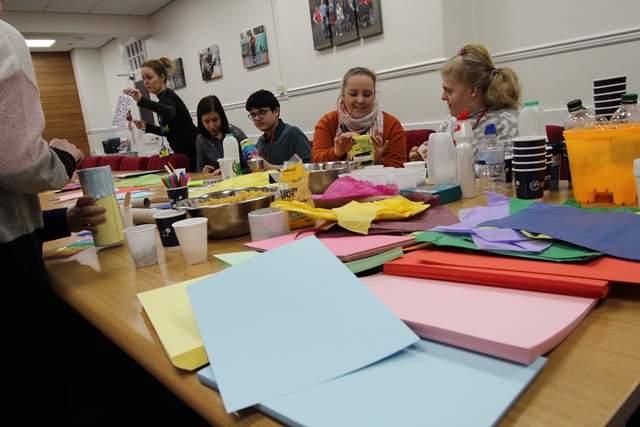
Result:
x=376 y=176
x=415 y=165
x=391 y=175
x=406 y=178
x=192 y=235
x=142 y=244
x=267 y=223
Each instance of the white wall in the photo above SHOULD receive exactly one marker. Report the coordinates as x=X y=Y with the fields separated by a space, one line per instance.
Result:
x=557 y=49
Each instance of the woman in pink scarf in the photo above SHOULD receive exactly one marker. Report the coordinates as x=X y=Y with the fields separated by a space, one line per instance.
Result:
x=358 y=113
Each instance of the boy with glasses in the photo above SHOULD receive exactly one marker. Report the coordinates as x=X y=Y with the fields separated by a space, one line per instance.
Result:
x=279 y=140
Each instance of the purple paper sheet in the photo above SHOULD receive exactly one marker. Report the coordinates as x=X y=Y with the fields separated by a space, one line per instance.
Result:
x=613 y=233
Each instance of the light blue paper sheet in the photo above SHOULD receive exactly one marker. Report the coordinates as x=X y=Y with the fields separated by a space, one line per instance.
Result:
x=293 y=318
x=613 y=233
x=427 y=384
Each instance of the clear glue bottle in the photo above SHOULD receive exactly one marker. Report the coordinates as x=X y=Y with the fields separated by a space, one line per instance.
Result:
x=231 y=148
x=463 y=135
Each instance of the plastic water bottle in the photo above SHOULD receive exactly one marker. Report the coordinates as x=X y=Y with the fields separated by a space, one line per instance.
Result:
x=463 y=135
x=249 y=149
x=491 y=162
x=230 y=148
x=628 y=111
x=531 y=120
x=579 y=117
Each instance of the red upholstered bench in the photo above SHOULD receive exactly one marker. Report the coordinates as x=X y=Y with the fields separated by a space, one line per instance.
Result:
x=416 y=137
x=89 y=162
x=113 y=161
x=130 y=163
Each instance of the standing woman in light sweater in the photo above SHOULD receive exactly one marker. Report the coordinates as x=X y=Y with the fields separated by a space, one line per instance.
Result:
x=31 y=317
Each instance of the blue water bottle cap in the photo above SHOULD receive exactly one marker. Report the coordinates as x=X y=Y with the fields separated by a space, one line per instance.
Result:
x=490 y=129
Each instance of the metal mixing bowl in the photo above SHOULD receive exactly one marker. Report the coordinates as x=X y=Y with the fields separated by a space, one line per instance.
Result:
x=323 y=174
x=229 y=219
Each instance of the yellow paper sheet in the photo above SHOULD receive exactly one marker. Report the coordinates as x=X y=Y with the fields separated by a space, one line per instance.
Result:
x=170 y=313
x=110 y=231
x=356 y=216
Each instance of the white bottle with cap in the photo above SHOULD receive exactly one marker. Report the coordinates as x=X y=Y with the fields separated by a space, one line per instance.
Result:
x=463 y=135
x=231 y=148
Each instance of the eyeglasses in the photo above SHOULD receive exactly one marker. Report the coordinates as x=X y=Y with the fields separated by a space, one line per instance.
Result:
x=260 y=114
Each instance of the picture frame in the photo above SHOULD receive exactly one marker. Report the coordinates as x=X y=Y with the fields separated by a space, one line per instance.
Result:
x=209 y=63
x=344 y=28
x=177 y=80
x=369 y=17
x=253 y=47
x=320 y=28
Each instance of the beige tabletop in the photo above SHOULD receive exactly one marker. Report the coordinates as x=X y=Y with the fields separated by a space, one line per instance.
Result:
x=591 y=379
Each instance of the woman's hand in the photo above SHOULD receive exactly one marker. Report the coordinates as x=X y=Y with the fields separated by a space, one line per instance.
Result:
x=343 y=143
x=64 y=145
x=134 y=93
x=379 y=146
x=140 y=124
x=416 y=153
x=84 y=216
x=210 y=169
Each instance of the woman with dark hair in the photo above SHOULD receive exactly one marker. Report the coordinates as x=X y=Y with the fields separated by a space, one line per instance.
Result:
x=213 y=125
x=175 y=120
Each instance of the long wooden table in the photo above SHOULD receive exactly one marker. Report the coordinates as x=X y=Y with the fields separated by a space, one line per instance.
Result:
x=591 y=379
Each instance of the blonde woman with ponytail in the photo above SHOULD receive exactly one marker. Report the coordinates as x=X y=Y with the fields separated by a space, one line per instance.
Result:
x=470 y=80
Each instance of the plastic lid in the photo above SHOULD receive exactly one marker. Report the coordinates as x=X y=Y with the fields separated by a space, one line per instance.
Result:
x=490 y=129
x=228 y=134
x=530 y=103
x=464 y=115
x=574 y=105
x=629 y=98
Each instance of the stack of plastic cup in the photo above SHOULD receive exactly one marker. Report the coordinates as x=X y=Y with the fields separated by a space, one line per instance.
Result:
x=636 y=172
x=607 y=93
x=529 y=166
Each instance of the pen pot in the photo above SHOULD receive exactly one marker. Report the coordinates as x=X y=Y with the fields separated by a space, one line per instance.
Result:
x=98 y=183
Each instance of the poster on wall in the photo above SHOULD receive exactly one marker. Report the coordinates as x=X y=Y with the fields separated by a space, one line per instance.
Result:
x=368 y=17
x=342 y=16
x=177 y=80
x=253 y=47
x=209 y=62
x=320 y=27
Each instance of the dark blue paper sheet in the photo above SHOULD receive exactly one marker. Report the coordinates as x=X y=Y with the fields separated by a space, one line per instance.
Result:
x=613 y=233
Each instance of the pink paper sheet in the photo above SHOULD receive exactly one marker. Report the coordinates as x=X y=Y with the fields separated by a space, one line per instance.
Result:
x=348 y=248
x=508 y=323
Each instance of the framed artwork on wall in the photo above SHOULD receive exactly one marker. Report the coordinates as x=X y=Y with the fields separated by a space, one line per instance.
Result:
x=368 y=17
x=320 y=28
x=254 y=48
x=177 y=80
x=343 y=21
x=209 y=62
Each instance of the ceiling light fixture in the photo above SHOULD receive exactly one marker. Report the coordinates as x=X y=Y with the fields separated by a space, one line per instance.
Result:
x=40 y=43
